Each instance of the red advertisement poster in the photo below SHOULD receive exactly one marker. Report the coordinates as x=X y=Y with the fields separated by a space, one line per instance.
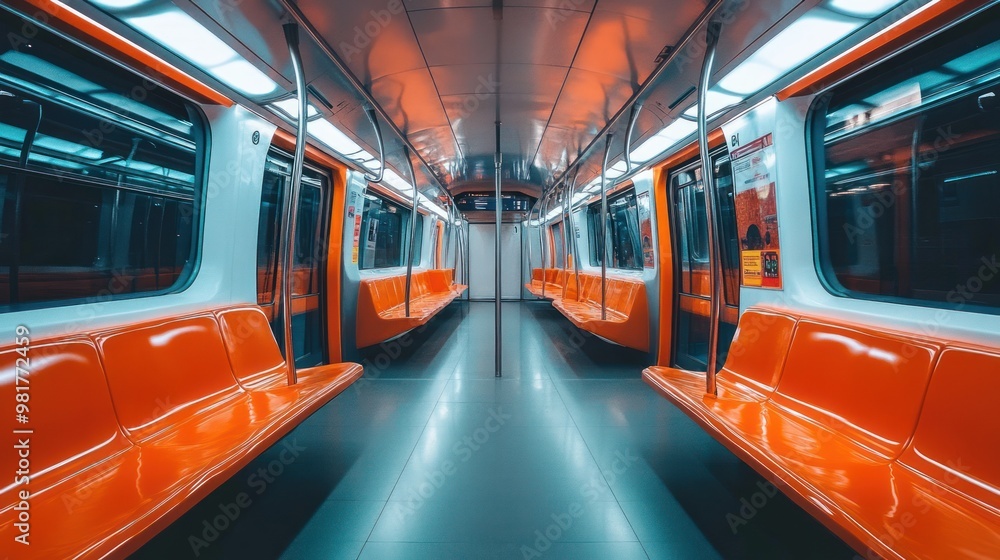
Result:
x=757 y=213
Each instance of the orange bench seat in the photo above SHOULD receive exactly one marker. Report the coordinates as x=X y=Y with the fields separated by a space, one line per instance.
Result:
x=382 y=303
x=887 y=438
x=549 y=285
x=134 y=425
x=627 y=317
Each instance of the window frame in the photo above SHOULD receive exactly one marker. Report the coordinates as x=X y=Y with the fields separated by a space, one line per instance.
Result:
x=593 y=220
x=202 y=146
x=815 y=138
x=405 y=230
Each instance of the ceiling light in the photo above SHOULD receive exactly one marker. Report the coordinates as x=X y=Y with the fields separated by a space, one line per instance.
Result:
x=180 y=33
x=863 y=8
x=789 y=49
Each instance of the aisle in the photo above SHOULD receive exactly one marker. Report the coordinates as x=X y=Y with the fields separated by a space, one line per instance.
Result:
x=570 y=455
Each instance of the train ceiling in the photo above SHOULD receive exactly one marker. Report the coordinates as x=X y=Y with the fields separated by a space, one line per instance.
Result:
x=555 y=73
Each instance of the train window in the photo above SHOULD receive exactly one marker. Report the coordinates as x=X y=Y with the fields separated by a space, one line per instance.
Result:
x=558 y=260
x=99 y=177
x=908 y=177
x=385 y=227
x=624 y=243
x=310 y=254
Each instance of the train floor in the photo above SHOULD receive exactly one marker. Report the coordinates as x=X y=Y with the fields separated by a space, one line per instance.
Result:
x=568 y=456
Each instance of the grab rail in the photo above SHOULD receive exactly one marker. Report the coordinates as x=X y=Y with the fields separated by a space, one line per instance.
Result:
x=292 y=196
x=711 y=203
x=604 y=229
x=413 y=230
x=373 y=117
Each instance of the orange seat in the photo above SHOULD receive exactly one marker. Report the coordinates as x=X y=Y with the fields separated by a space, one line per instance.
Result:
x=626 y=321
x=550 y=285
x=382 y=308
x=123 y=450
x=862 y=429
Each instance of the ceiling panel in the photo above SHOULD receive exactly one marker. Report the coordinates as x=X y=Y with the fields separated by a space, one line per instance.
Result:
x=541 y=35
x=456 y=35
x=563 y=69
x=411 y=99
x=563 y=5
x=373 y=43
x=483 y=79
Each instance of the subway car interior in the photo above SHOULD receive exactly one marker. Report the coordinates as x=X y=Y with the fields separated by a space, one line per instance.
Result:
x=500 y=279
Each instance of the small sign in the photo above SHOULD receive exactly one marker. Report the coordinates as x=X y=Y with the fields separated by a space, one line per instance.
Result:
x=755 y=184
x=646 y=231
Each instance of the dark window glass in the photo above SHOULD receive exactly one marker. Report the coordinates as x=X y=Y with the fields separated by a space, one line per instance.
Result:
x=623 y=242
x=385 y=234
x=98 y=177
x=694 y=293
x=310 y=257
x=909 y=197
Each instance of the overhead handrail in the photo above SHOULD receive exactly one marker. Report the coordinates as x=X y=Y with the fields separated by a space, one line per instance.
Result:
x=413 y=230
x=711 y=203
x=681 y=48
x=292 y=197
x=377 y=178
x=632 y=119
x=293 y=10
x=604 y=229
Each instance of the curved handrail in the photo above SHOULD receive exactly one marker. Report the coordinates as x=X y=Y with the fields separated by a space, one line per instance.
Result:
x=373 y=178
x=292 y=197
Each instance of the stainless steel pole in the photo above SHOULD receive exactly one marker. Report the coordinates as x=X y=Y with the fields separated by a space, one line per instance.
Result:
x=572 y=228
x=566 y=231
x=711 y=203
x=542 y=234
x=292 y=198
x=499 y=218
x=604 y=230
x=377 y=177
x=414 y=216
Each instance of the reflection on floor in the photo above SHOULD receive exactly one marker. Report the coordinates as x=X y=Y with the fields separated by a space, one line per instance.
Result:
x=570 y=455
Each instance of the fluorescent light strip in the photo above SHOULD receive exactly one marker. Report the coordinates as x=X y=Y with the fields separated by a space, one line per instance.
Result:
x=290 y=107
x=178 y=32
x=793 y=46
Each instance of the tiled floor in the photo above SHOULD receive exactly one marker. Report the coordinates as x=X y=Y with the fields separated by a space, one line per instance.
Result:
x=570 y=455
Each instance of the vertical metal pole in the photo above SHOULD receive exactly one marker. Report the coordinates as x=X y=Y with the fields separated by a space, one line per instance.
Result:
x=377 y=177
x=632 y=119
x=565 y=262
x=572 y=226
x=604 y=230
x=414 y=216
x=499 y=218
x=566 y=232
x=292 y=197
x=711 y=203
x=543 y=231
